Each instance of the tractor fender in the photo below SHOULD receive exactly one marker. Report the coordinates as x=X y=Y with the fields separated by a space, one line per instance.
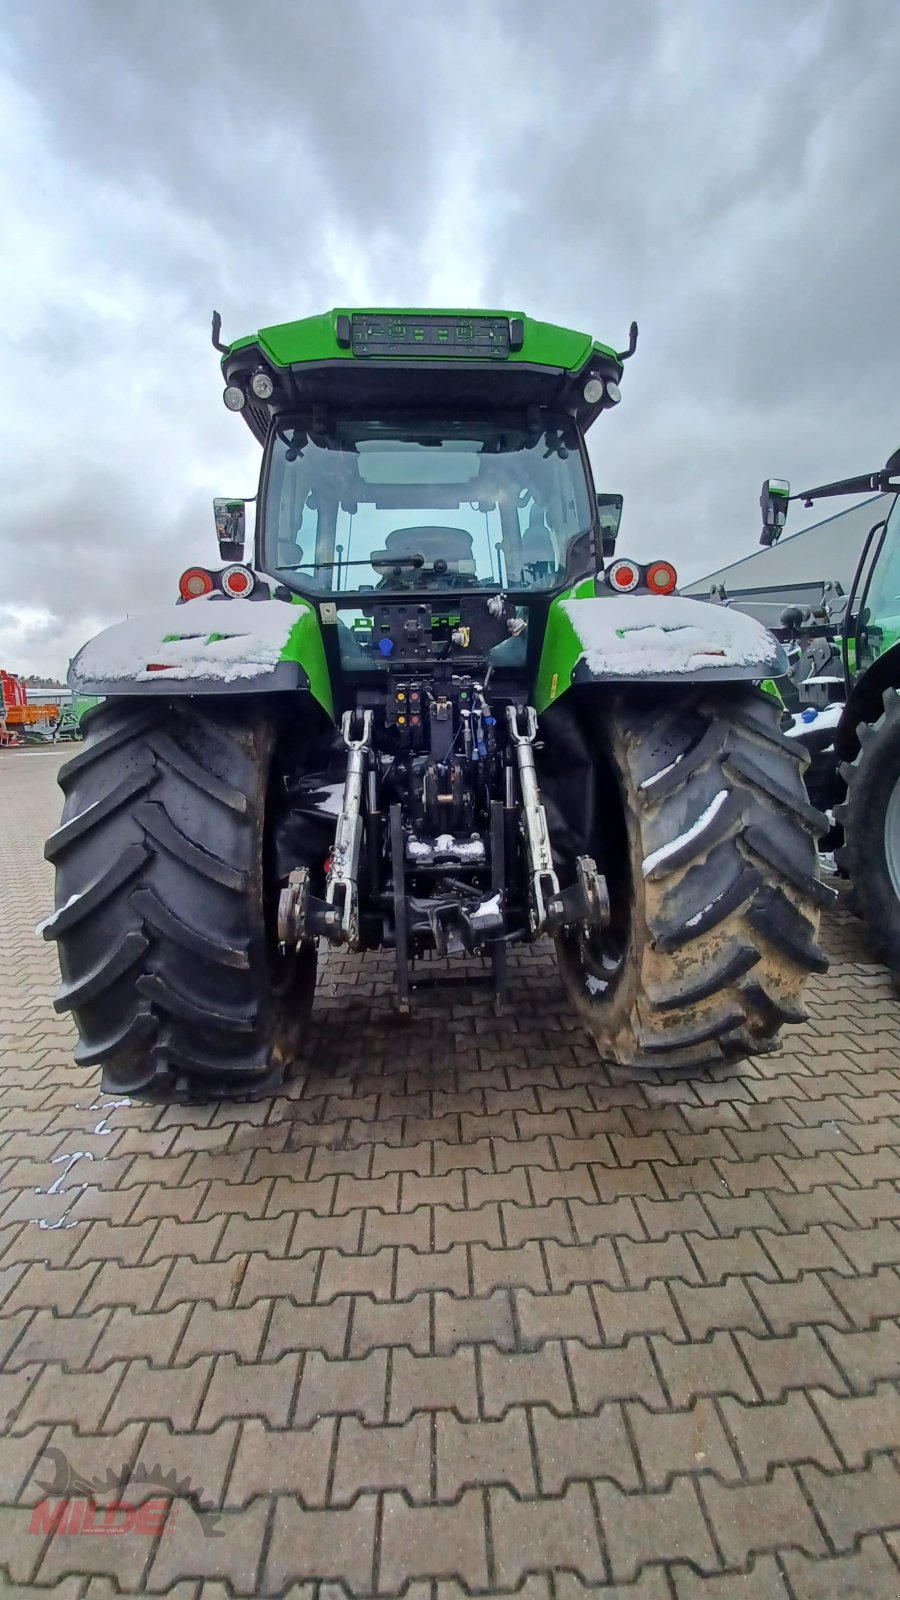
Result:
x=646 y=638
x=208 y=646
x=865 y=702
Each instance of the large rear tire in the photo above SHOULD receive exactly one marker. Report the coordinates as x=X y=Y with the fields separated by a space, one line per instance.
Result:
x=714 y=886
x=870 y=817
x=164 y=920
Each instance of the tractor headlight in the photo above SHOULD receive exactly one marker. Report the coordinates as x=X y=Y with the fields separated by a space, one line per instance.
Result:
x=593 y=391
x=613 y=392
x=262 y=385
x=234 y=397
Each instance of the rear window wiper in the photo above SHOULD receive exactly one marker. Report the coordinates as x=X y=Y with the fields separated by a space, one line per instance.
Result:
x=380 y=563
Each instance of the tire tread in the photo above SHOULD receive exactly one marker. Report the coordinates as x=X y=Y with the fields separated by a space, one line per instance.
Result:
x=163 y=949
x=724 y=937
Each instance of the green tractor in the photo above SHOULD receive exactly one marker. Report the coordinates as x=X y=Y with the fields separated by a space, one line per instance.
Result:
x=434 y=715
x=845 y=704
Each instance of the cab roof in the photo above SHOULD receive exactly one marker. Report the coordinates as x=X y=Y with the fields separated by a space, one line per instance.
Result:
x=382 y=359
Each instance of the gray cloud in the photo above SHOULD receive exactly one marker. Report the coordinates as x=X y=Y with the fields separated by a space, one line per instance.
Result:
x=725 y=173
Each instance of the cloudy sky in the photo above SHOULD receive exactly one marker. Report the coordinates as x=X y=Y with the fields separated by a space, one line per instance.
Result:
x=724 y=171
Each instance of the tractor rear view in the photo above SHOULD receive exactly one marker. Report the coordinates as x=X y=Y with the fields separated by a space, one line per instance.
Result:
x=435 y=714
x=850 y=657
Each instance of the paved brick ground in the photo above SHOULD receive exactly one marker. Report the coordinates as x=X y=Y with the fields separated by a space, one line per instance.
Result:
x=457 y=1314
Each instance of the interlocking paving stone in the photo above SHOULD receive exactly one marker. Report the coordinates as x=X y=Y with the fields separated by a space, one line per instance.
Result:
x=460 y=1309
x=394 y=1457
x=673 y=1442
x=573 y=1448
x=666 y=1525
x=555 y=1533
x=852 y=1503
x=749 y=1517
x=434 y=1541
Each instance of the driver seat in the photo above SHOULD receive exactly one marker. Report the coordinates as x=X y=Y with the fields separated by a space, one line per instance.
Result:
x=452 y=545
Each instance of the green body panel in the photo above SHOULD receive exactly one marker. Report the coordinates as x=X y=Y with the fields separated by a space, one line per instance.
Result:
x=625 y=616
x=877 y=621
x=561 y=648
x=306 y=647
x=282 y=650
x=769 y=686
x=315 y=338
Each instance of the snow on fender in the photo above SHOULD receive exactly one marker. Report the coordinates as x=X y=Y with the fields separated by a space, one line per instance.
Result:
x=204 y=643
x=659 y=637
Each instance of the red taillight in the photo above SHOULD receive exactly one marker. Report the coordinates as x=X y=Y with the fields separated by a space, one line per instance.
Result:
x=623 y=575
x=237 y=582
x=194 y=583
x=661 y=577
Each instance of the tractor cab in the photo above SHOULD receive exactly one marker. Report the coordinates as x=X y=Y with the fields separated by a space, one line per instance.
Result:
x=425 y=481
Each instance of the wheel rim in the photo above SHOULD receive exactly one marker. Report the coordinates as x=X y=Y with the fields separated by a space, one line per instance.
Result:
x=892 y=838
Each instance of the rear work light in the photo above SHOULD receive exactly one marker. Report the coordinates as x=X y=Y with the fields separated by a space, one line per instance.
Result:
x=237 y=582
x=623 y=576
x=262 y=384
x=661 y=577
x=194 y=583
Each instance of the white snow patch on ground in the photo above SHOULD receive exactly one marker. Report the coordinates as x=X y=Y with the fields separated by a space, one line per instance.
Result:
x=828 y=717
x=254 y=634
x=642 y=635
x=71 y=1156
x=487 y=908
x=703 y=822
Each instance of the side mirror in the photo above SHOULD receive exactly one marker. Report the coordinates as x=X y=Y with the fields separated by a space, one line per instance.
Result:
x=776 y=492
x=231 y=525
x=609 y=515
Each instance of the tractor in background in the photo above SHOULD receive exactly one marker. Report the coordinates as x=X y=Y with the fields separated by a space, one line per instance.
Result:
x=843 y=700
